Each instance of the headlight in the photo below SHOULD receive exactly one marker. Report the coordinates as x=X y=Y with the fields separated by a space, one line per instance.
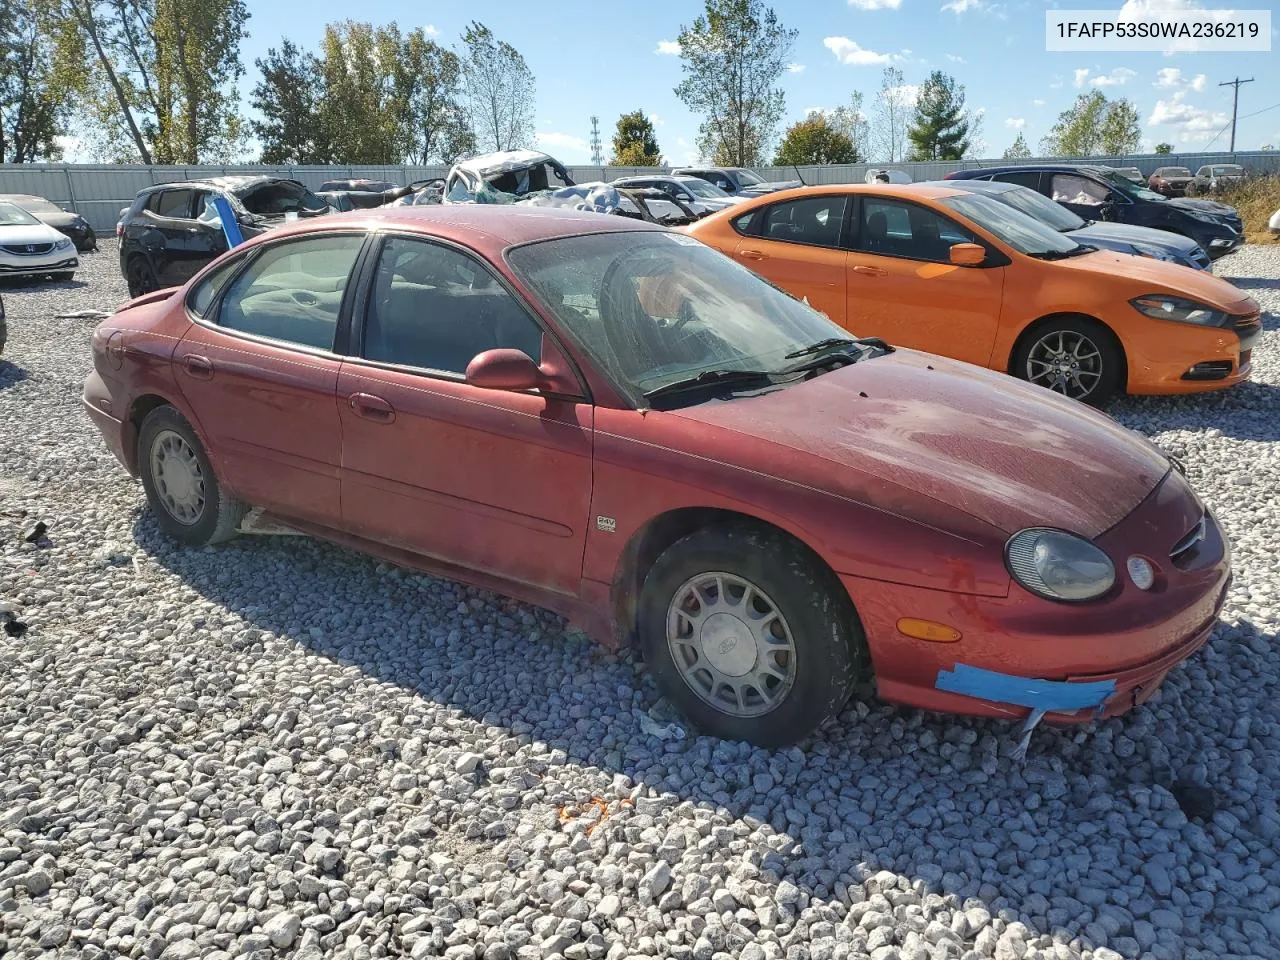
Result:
x=1058 y=565
x=63 y=243
x=1162 y=307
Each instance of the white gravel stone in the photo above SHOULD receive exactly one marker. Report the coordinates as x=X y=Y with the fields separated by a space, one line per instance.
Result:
x=279 y=745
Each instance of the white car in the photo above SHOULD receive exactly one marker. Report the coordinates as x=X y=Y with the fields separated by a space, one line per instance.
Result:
x=29 y=248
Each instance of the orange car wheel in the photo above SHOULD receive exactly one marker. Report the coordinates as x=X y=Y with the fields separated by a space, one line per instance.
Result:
x=1074 y=356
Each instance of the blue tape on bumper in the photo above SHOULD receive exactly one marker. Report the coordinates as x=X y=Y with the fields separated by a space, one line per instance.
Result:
x=230 y=228
x=1049 y=695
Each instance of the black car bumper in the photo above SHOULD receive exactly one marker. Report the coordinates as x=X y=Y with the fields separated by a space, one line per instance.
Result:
x=82 y=236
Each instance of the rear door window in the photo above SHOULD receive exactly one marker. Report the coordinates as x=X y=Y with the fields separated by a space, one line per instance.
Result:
x=174 y=204
x=1023 y=178
x=1069 y=188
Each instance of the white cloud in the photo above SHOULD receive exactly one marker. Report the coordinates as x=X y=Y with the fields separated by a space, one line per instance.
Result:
x=1081 y=75
x=1171 y=78
x=430 y=30
x=1193 y=124
x=1057 y=83
x=1015 y=123
x=1134 y=7
x=908 y=93
x=656 y=120
x=668 y=47
x=962 y=6
x=1116 y=78
x=565 y=141
x=955 y=59
x=875 y=4
x=850 y=53
x=1037 y=103
x=795 y=68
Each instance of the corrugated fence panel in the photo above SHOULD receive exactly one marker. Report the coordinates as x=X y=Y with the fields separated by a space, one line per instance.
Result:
x=98 y=191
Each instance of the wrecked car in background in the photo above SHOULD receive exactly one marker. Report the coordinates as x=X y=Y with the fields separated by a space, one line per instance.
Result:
x=358 y=194
x=172 y=229
x=71 y=225
x=698 y=195
x=737 y=181
x=535 y=179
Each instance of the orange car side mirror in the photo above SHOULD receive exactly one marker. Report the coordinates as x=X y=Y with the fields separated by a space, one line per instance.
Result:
x=968 y=254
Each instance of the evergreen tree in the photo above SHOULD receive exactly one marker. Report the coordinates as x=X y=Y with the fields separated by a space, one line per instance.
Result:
x=1019 y=150
x=635 y=144
x=940 y=128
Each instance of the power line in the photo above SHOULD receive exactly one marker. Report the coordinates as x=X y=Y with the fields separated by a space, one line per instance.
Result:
x=1235 y=105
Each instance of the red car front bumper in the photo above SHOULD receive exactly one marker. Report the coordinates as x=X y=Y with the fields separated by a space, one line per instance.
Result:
x=1130 y=638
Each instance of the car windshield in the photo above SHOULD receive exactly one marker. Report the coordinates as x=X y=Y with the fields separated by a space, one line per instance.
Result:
x=1173 y=172
x=39 y=205
x=1023 y=233
x=746 y=177
x=1040 y=207
x=12 y=215
x=1228 y=171
x=276 y=198
x=1126 y=186
x=700 y=188
x=654 y=308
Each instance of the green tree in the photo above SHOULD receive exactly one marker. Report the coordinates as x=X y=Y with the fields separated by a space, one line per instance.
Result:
x=940 y=129
x=361 y=109
x=732 y=57
x=164 y=90
x=40 y=64
x=500 y=91
x=437 y=127
x=288 y=100
x=1164 y=148
x=1094 y=125
x=815 y=140
x=1019 y=150
x=1121 y=131
x=635 y=144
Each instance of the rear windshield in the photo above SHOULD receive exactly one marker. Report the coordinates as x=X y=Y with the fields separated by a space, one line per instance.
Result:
x=275 y=198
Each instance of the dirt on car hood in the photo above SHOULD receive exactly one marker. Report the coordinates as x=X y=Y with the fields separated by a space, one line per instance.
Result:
x=908 y=425
x=1158 y=276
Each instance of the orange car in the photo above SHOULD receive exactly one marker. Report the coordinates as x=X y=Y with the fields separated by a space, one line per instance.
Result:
x=966 y=276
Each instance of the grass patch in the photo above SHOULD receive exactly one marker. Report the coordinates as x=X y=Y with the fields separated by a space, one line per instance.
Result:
x=1256 y=200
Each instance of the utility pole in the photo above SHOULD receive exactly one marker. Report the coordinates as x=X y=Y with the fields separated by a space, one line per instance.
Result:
x=1235 y=105
x=596 y=156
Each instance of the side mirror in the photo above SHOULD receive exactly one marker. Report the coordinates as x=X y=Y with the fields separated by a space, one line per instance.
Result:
x=968 y=254
x=504 y=369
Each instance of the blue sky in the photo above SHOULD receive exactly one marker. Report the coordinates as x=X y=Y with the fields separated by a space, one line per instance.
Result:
x=606 y=58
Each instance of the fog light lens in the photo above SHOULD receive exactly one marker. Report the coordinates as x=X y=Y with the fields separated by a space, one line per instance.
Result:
x=1141 y=573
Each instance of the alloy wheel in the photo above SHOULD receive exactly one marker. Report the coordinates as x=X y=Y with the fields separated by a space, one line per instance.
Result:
x=731 y=644
x=1067 y=362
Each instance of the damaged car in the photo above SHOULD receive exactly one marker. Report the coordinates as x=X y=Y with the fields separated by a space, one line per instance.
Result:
x=698 y=195
x=737 y=181
x=71 y=225
x=172 y=229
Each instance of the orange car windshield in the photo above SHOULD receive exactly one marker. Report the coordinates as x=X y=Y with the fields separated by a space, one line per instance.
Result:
x=654 y=308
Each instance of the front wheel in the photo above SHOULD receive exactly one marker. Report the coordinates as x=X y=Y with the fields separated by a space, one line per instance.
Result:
x=188 y=502
x=1077 y=358
x=748 y=634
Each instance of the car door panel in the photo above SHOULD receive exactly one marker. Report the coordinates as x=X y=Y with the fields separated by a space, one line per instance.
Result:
x=492 y=480
x=810 y=266
x=925 y=304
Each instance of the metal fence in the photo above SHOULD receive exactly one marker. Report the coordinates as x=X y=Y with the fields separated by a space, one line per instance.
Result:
x=98 y=191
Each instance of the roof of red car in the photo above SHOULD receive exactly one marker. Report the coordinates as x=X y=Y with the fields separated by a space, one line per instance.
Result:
x=501 y=225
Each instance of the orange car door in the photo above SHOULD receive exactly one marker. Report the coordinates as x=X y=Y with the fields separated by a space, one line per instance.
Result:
x=903 y=287
x=796 y=245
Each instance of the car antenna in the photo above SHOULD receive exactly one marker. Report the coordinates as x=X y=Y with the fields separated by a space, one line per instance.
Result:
x=798 y=176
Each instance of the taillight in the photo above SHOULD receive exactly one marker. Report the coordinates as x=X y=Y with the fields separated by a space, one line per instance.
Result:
x=119 y=230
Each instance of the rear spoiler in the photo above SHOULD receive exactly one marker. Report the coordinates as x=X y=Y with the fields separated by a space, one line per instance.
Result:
x=156 y=296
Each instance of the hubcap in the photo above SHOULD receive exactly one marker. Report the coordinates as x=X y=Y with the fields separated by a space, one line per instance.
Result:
x=179 y=480
x=732 y=645
x=1066 y=362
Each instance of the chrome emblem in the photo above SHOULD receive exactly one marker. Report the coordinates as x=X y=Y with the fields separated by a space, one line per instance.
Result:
x=31 y=248
x=607 y=524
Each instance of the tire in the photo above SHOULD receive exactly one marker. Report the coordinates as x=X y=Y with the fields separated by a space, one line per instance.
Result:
x=1086 y=343
x=818 y=637
x=140 y=277
x=214 y=519
x=64 y=277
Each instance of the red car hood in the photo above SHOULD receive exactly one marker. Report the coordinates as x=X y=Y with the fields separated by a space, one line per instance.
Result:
x=908 y=425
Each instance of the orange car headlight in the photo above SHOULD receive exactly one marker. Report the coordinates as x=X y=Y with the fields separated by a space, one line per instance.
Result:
x=1180 y=310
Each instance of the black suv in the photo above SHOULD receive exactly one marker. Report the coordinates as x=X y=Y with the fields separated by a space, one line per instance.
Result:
x=1101 y=193
x=172 y=229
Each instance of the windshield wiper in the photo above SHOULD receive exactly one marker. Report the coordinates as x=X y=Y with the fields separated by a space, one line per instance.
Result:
x=821 y=347
x=1076 y=251
x=740 y=379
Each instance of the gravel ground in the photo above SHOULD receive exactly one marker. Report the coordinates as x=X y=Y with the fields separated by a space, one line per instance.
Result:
x=279 y=748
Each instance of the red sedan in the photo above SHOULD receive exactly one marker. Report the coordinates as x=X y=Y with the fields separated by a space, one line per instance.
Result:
x=621 y=424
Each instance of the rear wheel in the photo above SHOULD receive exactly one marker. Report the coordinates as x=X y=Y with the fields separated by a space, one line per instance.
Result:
x=141 y=277
x=1075 y=357
x=748 y=634
x=188 y=502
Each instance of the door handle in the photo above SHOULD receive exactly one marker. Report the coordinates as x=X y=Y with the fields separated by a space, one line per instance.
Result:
x=199 y=367
x=373 y=408
x=869 y=271
x=753 y=255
